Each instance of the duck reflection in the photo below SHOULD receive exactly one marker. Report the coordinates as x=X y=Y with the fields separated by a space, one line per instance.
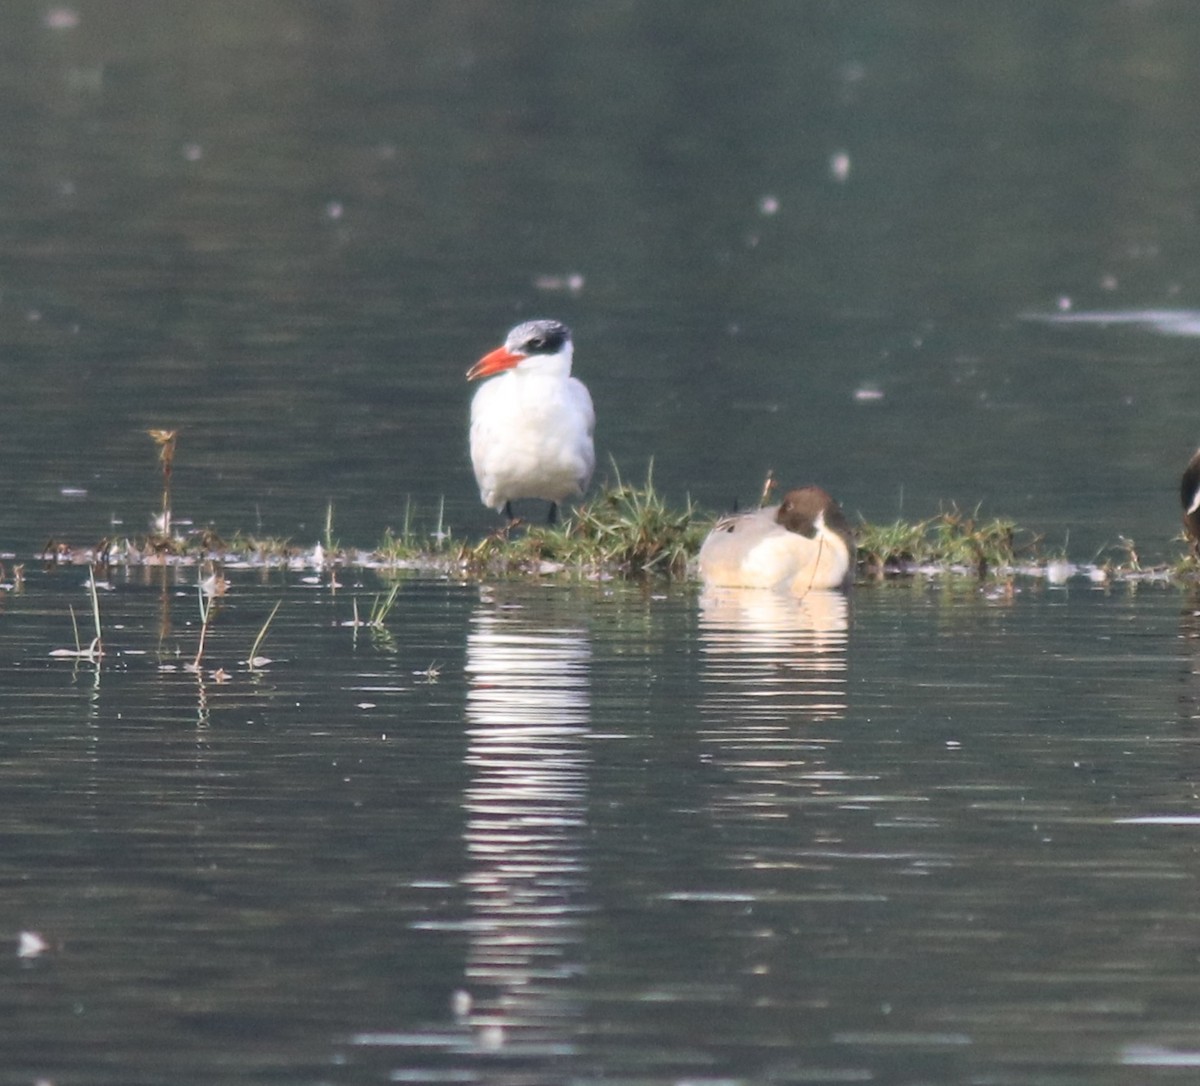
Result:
x=774 y=666
x=528 y=713
x=772 y=655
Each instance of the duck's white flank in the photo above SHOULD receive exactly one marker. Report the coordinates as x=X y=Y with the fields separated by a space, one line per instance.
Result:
x=801 y=544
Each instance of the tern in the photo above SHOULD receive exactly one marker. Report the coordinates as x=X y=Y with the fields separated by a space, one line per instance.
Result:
x=532 y=422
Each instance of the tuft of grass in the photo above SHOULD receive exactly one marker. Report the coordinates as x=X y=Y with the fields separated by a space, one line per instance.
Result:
x=264 y=548
x=627 y=528
x=381 y=607
x=376 y=621
x=1121 y=560
x=891 y=548
x=1187 y=565
x=961 y=540
x=952 y=540
x=413 y=544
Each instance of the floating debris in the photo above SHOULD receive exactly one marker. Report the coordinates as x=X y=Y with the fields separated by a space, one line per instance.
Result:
x=1059 y=571
x=430 y=674
x=569 y=284
x=60 y=18
x=30 y=944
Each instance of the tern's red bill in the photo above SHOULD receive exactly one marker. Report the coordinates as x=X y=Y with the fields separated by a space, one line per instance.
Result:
x=494 y=362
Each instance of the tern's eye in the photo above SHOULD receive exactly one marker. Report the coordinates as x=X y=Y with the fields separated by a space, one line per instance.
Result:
x=537 y=343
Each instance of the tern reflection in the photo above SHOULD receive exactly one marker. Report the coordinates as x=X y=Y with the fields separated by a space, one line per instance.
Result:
x=774 y=671
x=528 y=713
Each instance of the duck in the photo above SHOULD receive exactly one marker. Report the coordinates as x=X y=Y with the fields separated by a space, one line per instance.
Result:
x=532 y=423
x=1189 y=495
x=802 y=543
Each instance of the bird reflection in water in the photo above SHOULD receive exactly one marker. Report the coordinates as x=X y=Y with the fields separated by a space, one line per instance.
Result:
x=771 y=654
x=528 y=714
x=774 y=668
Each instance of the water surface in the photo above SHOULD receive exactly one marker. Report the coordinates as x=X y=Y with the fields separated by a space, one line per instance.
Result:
x=610 y=833
x=580 y=832
x=800 y=239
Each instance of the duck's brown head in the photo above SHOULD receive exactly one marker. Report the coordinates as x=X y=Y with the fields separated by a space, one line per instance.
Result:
x=805 y=509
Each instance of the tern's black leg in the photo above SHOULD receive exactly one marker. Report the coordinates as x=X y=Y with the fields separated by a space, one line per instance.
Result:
x=508 y=512
x=553 y=517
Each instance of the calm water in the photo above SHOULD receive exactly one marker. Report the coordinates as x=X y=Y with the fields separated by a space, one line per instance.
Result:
x=539 y=833
x=613 y=835
x=289 y=228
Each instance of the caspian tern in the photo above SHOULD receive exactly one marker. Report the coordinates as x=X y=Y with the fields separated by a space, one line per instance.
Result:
x=531 y=426
x=804 y=542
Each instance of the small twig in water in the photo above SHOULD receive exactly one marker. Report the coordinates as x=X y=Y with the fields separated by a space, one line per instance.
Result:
x=431 y=674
